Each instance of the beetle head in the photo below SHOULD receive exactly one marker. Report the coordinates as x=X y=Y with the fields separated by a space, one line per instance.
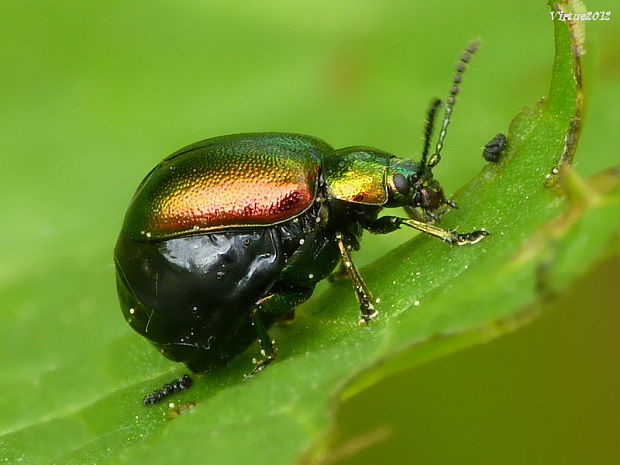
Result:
x=410 y=184
x=430 y=196
x=413 y=185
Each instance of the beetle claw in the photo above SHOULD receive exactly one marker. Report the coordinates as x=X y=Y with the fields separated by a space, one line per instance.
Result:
x=260 y=366
x=368 y=317
x=469 y=238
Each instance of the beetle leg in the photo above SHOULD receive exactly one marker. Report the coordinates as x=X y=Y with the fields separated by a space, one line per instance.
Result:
x=176 y=385
x=267 y=345
x=364 y=297
x=340 y=273
x=383 y=225
x=275 y=306
x=387 y=224
x=451 y=237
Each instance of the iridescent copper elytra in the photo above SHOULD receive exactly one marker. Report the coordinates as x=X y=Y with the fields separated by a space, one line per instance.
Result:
x=226 y=236
x=224 y=182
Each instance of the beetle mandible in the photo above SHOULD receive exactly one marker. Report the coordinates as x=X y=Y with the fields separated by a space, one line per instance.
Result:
x=226 y=236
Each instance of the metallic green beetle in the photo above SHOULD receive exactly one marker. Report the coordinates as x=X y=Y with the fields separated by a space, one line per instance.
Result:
x=226 y=236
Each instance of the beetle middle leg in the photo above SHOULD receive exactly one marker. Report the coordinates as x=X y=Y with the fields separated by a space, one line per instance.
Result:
x=387 y=224
x=363 y=294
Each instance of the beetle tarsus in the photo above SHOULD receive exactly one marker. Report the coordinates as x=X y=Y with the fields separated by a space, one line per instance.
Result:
x=368 y=313
x=260 y=365
x=181 y=384
x=451 y=237
x=467 y=238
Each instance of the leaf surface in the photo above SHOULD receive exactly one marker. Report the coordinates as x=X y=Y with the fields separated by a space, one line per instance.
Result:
x=547 y=226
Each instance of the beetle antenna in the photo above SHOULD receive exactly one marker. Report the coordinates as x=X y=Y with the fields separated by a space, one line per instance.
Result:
x=454 y=90
x=431 y=116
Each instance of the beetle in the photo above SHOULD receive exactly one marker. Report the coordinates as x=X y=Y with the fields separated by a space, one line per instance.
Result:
x=226 y=236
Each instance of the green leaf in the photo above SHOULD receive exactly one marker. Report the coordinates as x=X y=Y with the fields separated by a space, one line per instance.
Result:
x=86 y=407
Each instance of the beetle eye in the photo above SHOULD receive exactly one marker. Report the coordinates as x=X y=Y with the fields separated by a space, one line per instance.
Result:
x=401 y=184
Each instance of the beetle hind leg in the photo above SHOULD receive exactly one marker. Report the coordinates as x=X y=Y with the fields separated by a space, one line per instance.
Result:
x=362 y=293
x=268 y=348
x=275 y=306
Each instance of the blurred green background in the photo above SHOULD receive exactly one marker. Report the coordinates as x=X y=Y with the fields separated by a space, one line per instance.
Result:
x=95 y=94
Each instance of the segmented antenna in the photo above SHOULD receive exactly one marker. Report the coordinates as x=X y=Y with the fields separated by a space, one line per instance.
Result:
x=431 y=115
x=454 y=90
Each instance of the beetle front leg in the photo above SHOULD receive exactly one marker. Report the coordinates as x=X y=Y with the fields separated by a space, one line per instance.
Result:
x=388 y=224
x=451 y=237
x=362 y=293
x=384 y=225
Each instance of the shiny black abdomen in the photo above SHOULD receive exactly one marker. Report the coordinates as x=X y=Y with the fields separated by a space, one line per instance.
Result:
x=193 y=296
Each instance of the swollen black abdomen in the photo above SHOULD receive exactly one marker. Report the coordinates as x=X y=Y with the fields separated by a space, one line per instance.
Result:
x=192 y=296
